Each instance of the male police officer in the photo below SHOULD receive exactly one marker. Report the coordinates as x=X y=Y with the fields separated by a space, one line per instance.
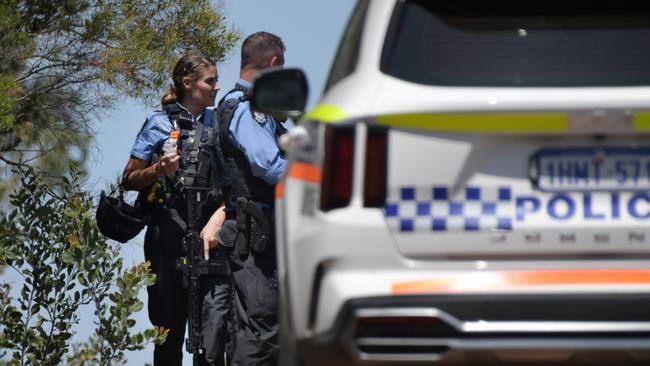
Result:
x=249 y=141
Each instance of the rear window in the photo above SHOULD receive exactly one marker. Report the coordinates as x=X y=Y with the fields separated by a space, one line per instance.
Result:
x=466 y=44
x=346 y=57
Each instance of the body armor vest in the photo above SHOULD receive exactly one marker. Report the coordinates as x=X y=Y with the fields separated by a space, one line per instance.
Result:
x=241 y=181
x=199 y=166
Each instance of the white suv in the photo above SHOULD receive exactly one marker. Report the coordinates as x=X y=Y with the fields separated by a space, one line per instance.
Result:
x=474 y=188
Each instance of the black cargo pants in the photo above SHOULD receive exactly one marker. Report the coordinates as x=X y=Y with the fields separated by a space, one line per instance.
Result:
x=215 y=313
x=254 y=302
x=167 y=299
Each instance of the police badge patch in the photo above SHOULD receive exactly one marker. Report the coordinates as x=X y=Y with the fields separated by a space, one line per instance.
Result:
x=259 y=117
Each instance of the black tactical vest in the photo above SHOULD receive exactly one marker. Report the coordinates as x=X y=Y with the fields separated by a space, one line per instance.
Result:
x=199 y=166
x=241 y=182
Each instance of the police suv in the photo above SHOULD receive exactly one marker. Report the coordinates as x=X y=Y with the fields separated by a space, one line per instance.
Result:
x=474 y=188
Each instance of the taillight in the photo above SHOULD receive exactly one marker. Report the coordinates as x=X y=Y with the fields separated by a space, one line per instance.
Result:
x=336 y=190
x=374 y=189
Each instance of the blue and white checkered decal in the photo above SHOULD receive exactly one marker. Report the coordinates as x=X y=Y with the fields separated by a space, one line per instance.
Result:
x=472 y=208
x=435 y=209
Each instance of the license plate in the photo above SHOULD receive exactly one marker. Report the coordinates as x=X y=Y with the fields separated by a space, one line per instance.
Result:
x=603 y=169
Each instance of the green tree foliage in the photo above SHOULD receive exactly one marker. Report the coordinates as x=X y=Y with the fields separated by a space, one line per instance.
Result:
x=64 y=63
x=51 y=241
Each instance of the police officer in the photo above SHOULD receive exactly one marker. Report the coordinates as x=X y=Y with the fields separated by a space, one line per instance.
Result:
x=195 y=85
x=249 y=141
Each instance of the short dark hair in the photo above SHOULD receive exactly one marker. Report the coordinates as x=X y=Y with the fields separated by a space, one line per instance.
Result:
x=259 y=48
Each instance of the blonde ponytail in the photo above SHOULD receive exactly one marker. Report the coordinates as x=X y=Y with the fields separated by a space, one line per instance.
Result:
x=169 y=97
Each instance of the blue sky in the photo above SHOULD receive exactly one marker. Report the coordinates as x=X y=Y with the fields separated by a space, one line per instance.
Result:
x=310 y=30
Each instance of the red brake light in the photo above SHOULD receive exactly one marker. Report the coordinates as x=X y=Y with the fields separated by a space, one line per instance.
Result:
x=374 y=190
x=336 y=190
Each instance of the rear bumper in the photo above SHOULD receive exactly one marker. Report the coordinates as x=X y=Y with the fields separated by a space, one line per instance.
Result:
x=563 y=329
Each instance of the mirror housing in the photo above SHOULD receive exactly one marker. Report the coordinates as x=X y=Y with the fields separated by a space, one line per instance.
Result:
x=280 y=93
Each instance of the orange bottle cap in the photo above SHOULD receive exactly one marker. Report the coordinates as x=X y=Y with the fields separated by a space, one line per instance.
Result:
x=175 y=134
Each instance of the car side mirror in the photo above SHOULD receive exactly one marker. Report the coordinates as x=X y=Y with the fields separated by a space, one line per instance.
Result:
x=281 y=93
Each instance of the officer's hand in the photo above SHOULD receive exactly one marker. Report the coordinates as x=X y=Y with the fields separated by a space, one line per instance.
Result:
x=167 y=164
x=211 y=229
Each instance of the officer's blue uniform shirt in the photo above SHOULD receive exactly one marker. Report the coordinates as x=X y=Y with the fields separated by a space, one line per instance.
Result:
x=254 y=133
x=156 y=130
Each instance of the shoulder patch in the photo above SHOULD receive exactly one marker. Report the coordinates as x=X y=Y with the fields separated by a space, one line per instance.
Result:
x=259 y=117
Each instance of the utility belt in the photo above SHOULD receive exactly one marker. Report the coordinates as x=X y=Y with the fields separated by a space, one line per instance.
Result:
x=255 y=226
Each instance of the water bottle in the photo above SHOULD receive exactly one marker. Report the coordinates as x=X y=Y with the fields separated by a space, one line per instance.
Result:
x=171 y=144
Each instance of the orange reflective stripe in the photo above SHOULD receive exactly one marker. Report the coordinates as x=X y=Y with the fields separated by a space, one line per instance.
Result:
x=580 y=277
x=422 y=287
x=495 y=281
x=300 y=171
x=305 y=172
x=279 y=190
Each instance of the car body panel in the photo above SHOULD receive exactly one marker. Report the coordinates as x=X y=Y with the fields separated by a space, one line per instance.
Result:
x=465 y=219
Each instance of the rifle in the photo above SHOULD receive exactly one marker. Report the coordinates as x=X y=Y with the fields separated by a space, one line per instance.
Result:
x=194 y=265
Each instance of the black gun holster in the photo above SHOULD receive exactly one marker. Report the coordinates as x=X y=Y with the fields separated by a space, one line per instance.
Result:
x=253 y=228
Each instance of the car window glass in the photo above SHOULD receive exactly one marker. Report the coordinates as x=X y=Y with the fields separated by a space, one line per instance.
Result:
x=467 y=44
x=346 y=57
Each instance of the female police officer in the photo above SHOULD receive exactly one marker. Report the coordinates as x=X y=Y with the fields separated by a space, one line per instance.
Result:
x=195 y=85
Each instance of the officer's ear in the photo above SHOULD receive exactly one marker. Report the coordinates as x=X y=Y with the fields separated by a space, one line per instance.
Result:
x=276 y=61
x=187 y=83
